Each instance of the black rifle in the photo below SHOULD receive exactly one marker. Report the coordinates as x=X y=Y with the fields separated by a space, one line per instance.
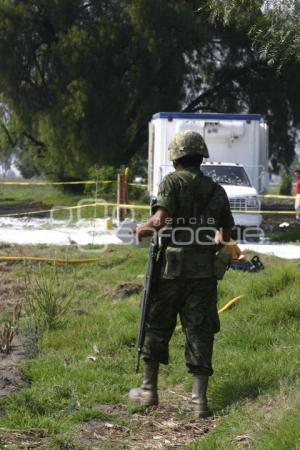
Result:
x=146 y=297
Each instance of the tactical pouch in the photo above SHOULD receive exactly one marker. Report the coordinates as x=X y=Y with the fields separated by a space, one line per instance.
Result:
x=188 y=263
x=174 y=262
x=222 y=261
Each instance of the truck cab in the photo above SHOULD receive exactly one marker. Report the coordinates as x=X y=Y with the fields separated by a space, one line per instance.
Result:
x=240 y=192
x=238 y=156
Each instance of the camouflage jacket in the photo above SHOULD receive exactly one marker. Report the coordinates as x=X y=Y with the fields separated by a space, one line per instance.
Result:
x=183 y=194
x=197 y=207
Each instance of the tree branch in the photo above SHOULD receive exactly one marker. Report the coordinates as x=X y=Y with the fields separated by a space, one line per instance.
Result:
x=42 y=75
x=229 y=77
x=8 y=135
x=33 y=140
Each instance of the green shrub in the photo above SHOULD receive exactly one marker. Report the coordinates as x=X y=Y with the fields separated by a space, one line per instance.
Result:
x=102 y=174
x=286 y=185
x=108 y=191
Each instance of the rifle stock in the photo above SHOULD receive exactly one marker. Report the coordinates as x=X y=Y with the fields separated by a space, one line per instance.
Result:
x=146 y=297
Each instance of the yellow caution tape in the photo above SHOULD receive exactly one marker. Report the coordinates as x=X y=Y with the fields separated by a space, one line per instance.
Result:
x=62 y=183
x=290 y=197
x=138 y=185
x=229 y=304
x=262 y=212
x=66 y=208
x=50 y=183
x=127 y=206
x=50 y=260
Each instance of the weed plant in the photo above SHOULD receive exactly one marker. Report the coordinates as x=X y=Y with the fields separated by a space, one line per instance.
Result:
x=47 y=298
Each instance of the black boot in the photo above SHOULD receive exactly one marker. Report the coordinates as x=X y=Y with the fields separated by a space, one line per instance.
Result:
x=199 y=399
x=146 y=395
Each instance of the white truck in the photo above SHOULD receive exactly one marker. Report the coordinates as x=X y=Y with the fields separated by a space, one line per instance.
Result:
x=238 y=149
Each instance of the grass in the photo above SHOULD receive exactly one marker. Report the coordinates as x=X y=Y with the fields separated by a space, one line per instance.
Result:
x=274 y=189
x=255 y=387
x=49 y=195
x=16 y=198
x=289 y=235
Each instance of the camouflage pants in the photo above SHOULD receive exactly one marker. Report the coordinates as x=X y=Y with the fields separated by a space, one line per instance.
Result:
x=195 y=300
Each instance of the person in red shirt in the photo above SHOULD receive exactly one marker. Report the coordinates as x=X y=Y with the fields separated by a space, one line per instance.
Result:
x=297 y=192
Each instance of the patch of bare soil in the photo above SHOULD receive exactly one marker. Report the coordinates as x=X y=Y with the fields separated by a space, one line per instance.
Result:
x=271 y=222
x=10 y=300
x=22 y=439
x=11 y=377
x=25 y=208
x=154 y=429
x=146 y=431
x=127 y=289
x=170 y=426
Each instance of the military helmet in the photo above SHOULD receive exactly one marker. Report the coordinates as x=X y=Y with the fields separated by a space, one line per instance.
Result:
x=187 y=143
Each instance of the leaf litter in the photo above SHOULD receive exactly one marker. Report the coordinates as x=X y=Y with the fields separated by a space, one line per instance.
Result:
x=153 y=429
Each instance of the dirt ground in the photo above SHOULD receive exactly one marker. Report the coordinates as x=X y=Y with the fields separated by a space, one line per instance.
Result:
x=10 y=296
x=23 y=439
x=271 y=222
x=155 y=430
x=23 y=208
x=11 y=377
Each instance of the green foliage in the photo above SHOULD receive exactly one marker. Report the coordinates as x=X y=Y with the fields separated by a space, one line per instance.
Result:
x=6 y=157
x=287 y=235
x=240 y=12
x=6 y=149
x=28 y=163
x=83 y=79
x=283 y=45
x=108 y=191
x=104 y=174
x=47 y=299
x=79 y=81
x=286 y=184
x=273 y=26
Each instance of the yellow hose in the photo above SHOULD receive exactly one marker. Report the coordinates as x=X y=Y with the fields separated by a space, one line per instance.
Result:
x=230 y=303
x=50 y=260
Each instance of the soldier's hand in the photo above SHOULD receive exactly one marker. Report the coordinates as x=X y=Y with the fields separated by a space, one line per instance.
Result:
x=143 y=231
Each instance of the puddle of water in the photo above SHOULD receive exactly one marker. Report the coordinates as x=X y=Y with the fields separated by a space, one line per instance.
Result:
x=26 y=231
x=31 y=231
x=286 y=251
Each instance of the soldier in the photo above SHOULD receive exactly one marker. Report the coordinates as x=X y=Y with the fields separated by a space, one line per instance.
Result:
x=193 y=207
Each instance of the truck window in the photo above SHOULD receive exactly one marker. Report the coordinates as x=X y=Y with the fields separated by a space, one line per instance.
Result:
x=227 y=174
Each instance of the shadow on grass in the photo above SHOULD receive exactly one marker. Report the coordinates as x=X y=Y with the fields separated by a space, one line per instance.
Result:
x=227 y=394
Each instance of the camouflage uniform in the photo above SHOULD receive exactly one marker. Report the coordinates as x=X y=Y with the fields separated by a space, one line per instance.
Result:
x=187 y=285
